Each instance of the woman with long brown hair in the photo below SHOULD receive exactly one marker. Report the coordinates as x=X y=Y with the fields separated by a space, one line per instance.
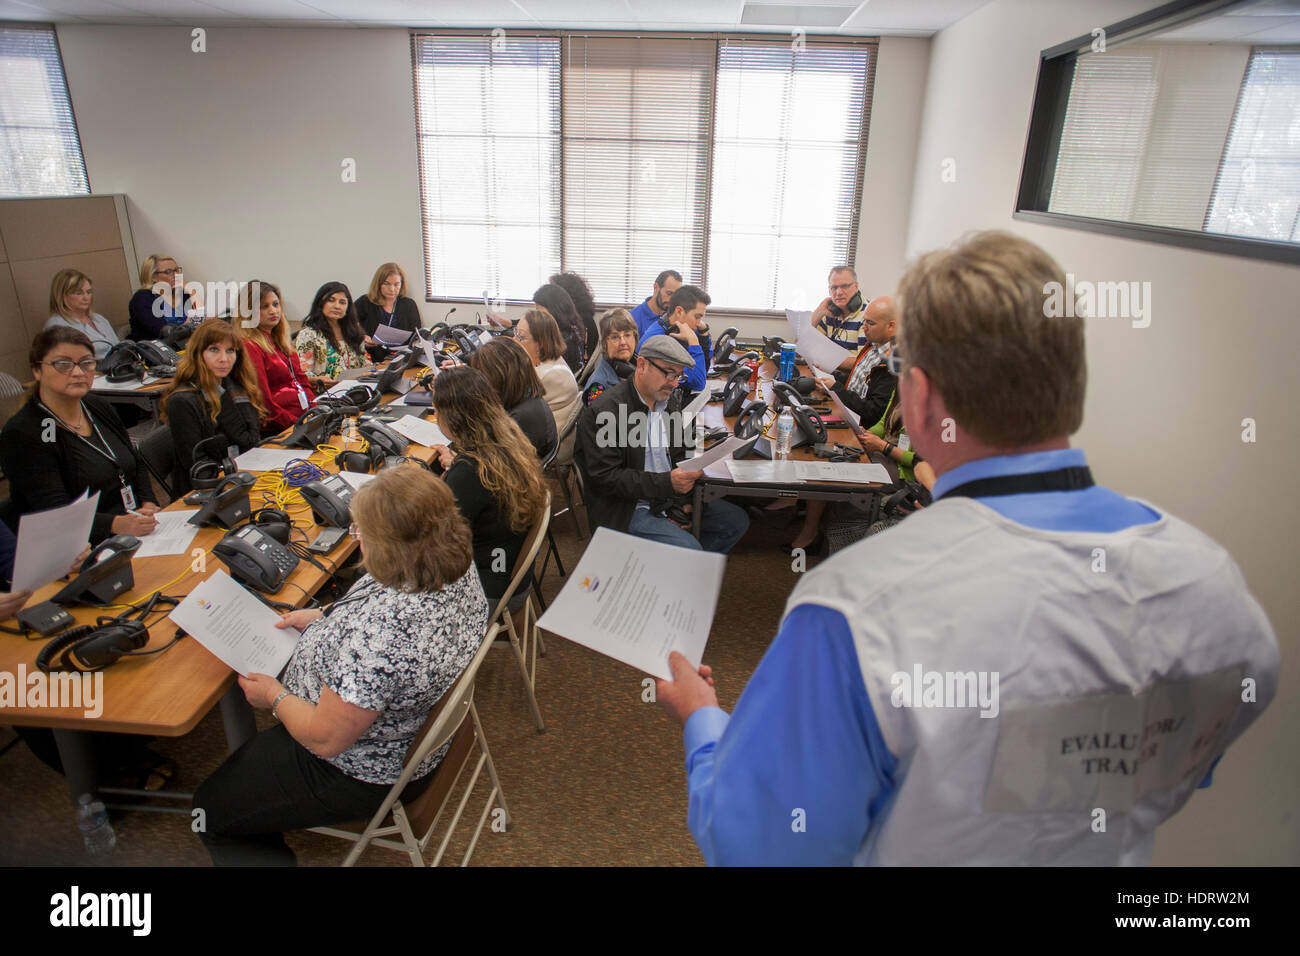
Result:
x=215 y=393
x=509 y=370
x=264 y=333
x=493 y=472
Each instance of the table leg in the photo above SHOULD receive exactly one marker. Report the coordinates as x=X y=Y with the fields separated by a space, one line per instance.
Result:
x=697 y=509
x=237 y=718
x=76 y=753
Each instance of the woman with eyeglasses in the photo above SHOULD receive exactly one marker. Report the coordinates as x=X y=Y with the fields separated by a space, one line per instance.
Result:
x=364 y=675
x=215 y=395
x=493 y=471
x=161 y=299
x=539 y=334
x=618 y=338
x=65 y=441
x=71 y=297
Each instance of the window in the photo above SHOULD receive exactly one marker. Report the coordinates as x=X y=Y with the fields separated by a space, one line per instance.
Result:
x=487 y=115
x=1258 y=189
x=40 y=152
x=1173 y=127
x=736 y=161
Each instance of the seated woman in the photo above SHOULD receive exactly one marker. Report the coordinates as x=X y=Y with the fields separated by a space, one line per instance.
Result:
x=584 y=303
x=331 y=339
x=494 y=473
x=265 y=336
x=509 y=370
x=64 y=442
x=540 y=337
x=386 y=303
x=556 y=303
x=71 y=298
x=618 y=338
x=362 y=679
x=151 y=312
x=215 y=394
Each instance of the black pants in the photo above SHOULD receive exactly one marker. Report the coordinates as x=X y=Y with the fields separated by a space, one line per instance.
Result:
x=273 y=784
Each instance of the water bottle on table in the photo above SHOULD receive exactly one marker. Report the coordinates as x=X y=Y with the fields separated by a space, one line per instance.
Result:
x=784 y=434
x=786 y=371
x=96 y=831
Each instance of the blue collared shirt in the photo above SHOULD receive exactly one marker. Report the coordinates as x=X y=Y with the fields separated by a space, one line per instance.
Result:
x=645 y=317
x=803 y=736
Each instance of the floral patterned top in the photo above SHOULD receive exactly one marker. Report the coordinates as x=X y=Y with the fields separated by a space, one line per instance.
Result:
x=321 y=360
x=391 y=651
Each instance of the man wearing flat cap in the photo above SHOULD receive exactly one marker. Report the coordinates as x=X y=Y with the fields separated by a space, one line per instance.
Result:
x=630 y=440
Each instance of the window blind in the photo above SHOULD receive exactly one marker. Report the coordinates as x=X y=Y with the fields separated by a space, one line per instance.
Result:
x=40 y=152
x=788 y=152
x=1257 y=192
x=637 y=120
x=488 y=132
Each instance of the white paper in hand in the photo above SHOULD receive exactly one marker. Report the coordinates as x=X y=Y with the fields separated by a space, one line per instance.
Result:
x=636 y=600
x=236 y=627
x=49 y=541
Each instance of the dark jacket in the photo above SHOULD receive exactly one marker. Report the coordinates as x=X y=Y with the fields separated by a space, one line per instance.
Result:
x=869 y=407
x=405 y=315
x=491 y=532
x=614 y=476
x=188 y=418
x=44 y=475
x=146 y=326
x=534 y=418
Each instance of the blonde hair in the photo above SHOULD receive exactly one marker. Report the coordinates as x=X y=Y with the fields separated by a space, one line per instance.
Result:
x=382 y=273
x=415 y=538
x=248 y=323
x=149 y=265
x=974 y=319
x=193 y=374
x=65 y=281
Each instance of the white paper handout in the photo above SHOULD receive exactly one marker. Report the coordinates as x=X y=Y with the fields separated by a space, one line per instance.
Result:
x=49 y=541
x=758 y=471
x=102 y=384
x=636 y=600
x=172 y=536
x=268 y=459
x=812 y=345
x=235 y=626
x=420 y=431
x=693 y=409
x=389 y=335
x=356 y=478
x=718 y=452
x=856 y=472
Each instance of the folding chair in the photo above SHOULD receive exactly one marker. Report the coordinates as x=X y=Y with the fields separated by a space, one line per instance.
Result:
x=395 y=817
x=525 y=645
x=158 y=452
x=562 y=472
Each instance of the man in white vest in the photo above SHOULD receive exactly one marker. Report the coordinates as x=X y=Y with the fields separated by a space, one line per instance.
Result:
x=1034 y=669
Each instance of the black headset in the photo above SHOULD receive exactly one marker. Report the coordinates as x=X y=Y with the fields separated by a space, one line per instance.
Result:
x=91 y=648
x=123 y=363
x=361 y=461
x=274 y=522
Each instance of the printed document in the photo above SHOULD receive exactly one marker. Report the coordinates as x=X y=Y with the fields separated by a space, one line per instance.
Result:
x=235 y=626
x=389 y=335
x=420 y=431
x=812 y=345
x=269 y=459
x=172 y=536
x=49 y=541
x=636 y=600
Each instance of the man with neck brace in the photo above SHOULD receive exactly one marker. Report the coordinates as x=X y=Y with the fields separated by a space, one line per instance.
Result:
x=1120 y=644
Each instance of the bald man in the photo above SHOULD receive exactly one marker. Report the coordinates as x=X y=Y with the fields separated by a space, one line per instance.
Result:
x=870 y=383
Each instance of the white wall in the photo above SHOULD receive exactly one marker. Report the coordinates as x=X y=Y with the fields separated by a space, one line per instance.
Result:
x=231 y=158
x=1165 y=403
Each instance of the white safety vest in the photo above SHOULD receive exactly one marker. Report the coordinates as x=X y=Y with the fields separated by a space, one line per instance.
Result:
x=1112 y=667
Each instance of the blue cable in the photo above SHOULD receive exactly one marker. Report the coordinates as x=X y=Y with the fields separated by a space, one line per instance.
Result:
x=300 y=471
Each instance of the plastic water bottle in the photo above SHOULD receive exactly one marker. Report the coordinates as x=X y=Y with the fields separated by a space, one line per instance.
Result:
x=784 y=433
x=786 y=371
x=96 y=831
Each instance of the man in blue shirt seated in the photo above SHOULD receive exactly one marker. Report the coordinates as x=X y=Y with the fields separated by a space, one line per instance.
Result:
x=648 y=312
x=684 y=321
x=1032 y=670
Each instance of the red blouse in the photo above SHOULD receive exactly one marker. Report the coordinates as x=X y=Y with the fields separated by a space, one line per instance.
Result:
x=280 y=377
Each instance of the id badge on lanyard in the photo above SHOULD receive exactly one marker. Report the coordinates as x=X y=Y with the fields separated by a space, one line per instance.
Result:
x=128 y=494
x=302 y=395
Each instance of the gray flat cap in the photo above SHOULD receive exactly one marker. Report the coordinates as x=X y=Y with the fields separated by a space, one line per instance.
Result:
x=665 y=348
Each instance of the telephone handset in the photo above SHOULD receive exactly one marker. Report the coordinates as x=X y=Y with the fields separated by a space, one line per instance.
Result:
x=750 y=422
x=104 y=575
x=723 y=347
x=313 y=427
x=808 y=425
x=854 y=304
x=158 y=357
x=255 y=558
x=379 y=434
x=735 y=391
x=228 y=503
x=330 y=500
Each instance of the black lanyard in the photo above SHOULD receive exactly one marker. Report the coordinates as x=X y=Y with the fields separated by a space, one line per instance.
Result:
x=104 y=452
x=1074 y=478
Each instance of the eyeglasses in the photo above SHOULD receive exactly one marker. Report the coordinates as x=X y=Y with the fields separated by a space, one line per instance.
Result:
x=671 y=376
x=65 y=366
x=166 y=272
x=354 y=531
x=843 y=288
x=621 y=337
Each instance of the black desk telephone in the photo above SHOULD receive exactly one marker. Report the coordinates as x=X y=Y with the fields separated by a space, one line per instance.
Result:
x=104 y=575
x=255 y=558
x=330 y=500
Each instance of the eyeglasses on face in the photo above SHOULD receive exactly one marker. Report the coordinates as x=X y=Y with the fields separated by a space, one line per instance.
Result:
x=843 y=288
x=167 y=272
x=671 y=376
x=64 y=366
